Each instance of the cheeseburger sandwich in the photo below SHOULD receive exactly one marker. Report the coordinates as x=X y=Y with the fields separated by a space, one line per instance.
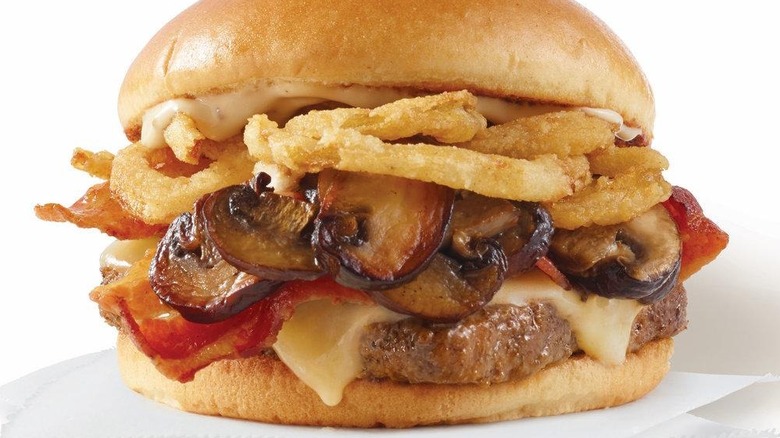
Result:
x=390 y=213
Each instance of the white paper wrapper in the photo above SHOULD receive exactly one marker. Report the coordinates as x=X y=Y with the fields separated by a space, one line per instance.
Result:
x=84 y=398
x=691 y=426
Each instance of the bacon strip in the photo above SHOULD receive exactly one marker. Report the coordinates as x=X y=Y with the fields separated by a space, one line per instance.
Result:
x=702 y=240
x=179 y=347
x=98 y=208
x=546 y=265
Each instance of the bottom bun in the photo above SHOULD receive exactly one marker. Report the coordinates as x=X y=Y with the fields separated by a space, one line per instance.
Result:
x=262 y=388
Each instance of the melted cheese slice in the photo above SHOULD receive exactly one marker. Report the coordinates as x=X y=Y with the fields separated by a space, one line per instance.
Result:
x=121 y=254
x=320 y=344
x=602 y=326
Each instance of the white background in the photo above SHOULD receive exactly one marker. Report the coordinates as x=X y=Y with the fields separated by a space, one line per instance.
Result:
x=713 y=67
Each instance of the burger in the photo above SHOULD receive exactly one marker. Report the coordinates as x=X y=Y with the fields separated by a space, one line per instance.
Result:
x=402 y=213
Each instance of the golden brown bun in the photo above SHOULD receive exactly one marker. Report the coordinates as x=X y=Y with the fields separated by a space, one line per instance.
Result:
x=551 y=51
x=263 y=389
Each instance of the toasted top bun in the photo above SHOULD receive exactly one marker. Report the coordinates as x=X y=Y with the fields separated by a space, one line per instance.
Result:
x=551 y=51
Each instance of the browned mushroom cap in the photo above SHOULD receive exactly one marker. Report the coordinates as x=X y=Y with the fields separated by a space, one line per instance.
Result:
x=260 y=232
x=188 y=274
x=523 y=229
x=375 y=232
x=529 y=240
x=638 y=259
x=476 y=217
x=447 y=290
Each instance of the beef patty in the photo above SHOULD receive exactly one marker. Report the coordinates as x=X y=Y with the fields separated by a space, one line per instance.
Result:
x=497 y=343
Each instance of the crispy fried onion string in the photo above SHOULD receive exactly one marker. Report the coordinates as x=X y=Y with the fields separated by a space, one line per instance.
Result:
x=561 y=133
x=97 y=164
x=447 y=117
x=184 y=138
x=543 y=179
x=567 y=159
x=614 y=161
x=608 y=201
x=158 y=198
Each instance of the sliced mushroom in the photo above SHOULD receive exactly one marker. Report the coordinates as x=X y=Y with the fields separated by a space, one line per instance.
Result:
x=638 y=259
x=374 y=232
x=189 y=274
x=260 y=232
x=529 y=241
x=476 y=217
x=523 y=229
x=447 y=290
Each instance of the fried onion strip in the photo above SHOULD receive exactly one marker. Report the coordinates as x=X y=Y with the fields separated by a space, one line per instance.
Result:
x=561 y=133
x=608 y=201
x=614 y=161
x=447 y=117
x=184 y=138
x=158 y=198
x=97 y=164
x=546 y=178
x=256 y=134
x=538 y=158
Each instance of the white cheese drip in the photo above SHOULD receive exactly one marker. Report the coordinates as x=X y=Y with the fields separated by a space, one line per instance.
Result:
x=121 y=254
x=320 y=344
x=601 y=326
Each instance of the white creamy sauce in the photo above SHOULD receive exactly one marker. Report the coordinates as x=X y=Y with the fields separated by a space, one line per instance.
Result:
x=221 y=116
x=625 y=133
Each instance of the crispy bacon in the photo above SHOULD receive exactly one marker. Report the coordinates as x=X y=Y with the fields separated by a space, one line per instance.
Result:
x=702 y=240
x=546 y=265
x=98 y=208
x=179 y=347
